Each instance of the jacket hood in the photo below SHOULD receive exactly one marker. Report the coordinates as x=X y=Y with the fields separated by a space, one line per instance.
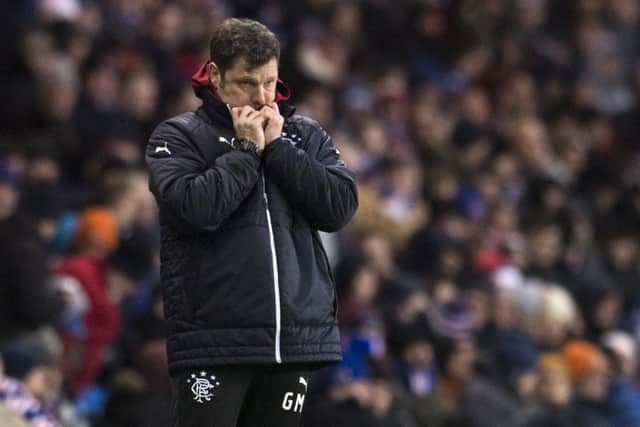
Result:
x=202 y=86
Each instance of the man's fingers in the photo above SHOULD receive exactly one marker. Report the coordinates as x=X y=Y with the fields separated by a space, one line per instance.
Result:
x=275 y=107
x=260 y=119
x=268 y=112
x=271 y=106
x=266 y=115
x=246 y=110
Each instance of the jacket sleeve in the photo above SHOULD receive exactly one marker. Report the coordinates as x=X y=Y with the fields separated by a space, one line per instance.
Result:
x=322 y=188
x=201 y=194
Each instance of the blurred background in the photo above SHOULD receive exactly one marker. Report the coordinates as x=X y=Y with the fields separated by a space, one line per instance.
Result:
x=490 y=277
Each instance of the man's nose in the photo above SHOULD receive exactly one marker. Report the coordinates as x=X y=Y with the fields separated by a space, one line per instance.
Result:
x=259 y=98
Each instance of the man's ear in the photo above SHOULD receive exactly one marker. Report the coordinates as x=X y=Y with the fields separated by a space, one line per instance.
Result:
x=214 y=75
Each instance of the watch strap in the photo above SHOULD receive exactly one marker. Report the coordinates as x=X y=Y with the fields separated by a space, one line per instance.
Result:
x=244 y=144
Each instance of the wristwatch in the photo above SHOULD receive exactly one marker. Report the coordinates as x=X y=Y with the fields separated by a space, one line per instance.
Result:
x=247 y=145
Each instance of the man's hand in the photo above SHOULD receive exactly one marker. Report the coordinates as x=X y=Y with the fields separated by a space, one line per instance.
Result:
x=248 y=124
x=273 y=122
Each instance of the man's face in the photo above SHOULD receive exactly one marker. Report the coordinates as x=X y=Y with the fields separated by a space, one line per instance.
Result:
x=8 y=201
x=240 y=86
x=44 y=383
x=554 y=386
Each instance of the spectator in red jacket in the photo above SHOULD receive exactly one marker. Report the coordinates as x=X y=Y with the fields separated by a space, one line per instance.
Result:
x=87 y=338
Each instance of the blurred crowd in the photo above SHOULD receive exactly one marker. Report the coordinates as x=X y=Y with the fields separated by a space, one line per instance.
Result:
x=491 y=276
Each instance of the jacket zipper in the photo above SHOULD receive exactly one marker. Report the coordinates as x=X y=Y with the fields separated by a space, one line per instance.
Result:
x=274 y=261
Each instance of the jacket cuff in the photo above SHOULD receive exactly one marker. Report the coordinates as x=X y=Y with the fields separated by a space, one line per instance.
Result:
x=273 y=146
x=255 y=159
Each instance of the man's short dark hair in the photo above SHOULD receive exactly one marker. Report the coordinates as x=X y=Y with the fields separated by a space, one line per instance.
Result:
x=243 y=38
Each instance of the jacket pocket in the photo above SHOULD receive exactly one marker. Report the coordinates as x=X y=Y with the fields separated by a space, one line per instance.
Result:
x=234 y=280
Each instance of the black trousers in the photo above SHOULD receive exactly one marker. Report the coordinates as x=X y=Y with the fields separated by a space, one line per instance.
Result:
x=241 y=396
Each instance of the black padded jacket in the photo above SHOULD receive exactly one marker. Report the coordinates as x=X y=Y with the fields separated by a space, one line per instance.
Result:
x=245 y=277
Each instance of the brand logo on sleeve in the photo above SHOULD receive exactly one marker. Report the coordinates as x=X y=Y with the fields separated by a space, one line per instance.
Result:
x=225 y=140
x=163 y=149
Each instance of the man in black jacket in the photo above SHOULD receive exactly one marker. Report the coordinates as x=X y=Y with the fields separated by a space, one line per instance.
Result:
x=243 y=187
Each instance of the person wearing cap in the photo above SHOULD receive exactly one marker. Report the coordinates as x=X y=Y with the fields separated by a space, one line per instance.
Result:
x=589 y=373
x=554 y=393
x=623 y=393
x=84 y=275
x=243 y=186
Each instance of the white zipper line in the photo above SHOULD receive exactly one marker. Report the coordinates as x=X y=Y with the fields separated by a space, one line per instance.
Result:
x=274 y=260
